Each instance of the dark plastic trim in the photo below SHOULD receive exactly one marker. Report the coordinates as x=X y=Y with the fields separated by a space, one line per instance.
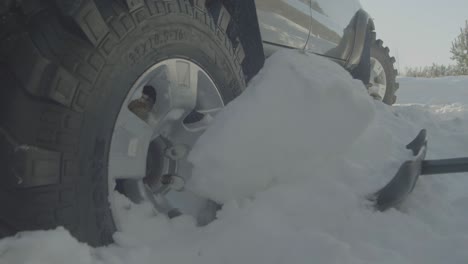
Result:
x=363 y=20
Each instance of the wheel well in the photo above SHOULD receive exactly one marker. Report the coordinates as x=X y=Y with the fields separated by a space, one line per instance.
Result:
x=244 y=28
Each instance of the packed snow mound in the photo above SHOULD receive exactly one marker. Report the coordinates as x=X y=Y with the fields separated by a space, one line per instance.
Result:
x=293 y=159
x=44 y=247
x=301 y=113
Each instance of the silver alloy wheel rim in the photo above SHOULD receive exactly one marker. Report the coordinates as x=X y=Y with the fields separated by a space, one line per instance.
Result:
x=378 y=80
x=164 y=113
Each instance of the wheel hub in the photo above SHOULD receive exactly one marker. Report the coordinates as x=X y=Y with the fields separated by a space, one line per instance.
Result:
x=164 y=113
x=378 y=80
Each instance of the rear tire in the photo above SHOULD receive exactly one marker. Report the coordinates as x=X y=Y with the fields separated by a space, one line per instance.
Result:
x=381 y=54
x=63 y=83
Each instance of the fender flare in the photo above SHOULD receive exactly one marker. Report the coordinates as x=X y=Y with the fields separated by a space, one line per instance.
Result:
x=364 y=24
x=244 y=15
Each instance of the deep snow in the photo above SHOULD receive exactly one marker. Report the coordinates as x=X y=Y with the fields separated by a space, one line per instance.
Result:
x=293 y=159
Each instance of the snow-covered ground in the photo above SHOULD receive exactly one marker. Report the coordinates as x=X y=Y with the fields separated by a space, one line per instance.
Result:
x=293 y=159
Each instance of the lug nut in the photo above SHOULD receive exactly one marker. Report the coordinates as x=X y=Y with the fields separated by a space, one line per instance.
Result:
x=176 y=152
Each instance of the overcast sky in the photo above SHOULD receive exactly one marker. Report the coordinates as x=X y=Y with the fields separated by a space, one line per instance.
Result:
x=418 y=32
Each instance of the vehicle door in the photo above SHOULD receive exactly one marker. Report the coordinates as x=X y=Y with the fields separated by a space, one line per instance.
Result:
x=284 y=23
x=331 y=27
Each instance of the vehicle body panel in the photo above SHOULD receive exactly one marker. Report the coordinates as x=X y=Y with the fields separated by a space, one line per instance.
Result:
x=330 y=18
x=284 y=22
x=334 y=26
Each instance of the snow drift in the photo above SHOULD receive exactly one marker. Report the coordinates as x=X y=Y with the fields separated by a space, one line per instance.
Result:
x=299 y=115
x=293 y=159
x=435 y=91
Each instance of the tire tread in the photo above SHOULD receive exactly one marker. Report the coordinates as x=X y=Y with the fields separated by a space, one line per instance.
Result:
x=48 y=98
x=378 y=47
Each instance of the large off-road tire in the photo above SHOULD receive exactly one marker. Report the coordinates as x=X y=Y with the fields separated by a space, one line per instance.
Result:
x=64 y=78
x=382 y=83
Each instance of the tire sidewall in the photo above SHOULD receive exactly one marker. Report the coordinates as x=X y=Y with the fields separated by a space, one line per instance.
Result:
x=154 y=40
x=379 y=54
